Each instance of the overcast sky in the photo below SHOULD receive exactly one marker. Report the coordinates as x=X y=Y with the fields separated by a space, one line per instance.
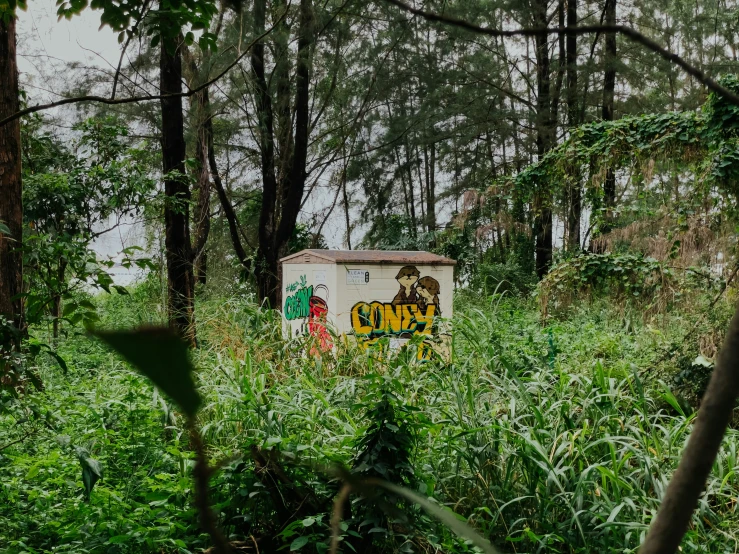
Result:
x=45 y=44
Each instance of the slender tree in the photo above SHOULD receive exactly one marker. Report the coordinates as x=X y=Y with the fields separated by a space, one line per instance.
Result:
x=609 y=87
x=574 y=209
x=545 y=138
x=177 y=192
x=11 y=205
x=283 y=130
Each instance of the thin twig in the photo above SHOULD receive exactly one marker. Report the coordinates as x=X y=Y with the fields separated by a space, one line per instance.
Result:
x=145 y=98
x=125 y=47
x=336 y=516
x=201 y=476
x=24 y=437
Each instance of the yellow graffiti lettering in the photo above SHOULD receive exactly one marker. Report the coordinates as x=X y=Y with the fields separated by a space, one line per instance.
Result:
x=360 y=319
x=409 y=318
x=394 y=317
x=425 y=320
x=378 y=318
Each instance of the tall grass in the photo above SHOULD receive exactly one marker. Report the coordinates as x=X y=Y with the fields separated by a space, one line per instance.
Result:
x=545 y=438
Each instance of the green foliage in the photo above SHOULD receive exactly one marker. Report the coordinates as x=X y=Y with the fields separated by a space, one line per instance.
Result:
x=8 y=9
x=395 y=232
x=623 y=277
x=722 y=115
x=490 y=278
x=67 y=197
x=385 y=451
x=164 y=23
x=540 y=438
x=92 y=470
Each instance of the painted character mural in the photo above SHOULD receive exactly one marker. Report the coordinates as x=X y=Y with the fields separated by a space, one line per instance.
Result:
x=407 y=278
x=411 y=312
x=317 y=318
x=427 y=292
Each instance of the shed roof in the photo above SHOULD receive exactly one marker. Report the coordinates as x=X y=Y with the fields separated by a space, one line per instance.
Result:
x=368 y=257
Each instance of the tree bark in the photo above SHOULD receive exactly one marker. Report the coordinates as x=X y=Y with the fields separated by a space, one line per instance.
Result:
x=431 y=191
x=266 y=268
x=574 y=212
x=180 y=281
x=544 y=141
x=609 y=87
x=282 y=186
x=11 y=204
x=201 y=219
x=412 y=196
x=200 y=112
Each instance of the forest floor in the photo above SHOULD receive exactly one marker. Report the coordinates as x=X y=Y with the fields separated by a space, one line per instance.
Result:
x=554 y=436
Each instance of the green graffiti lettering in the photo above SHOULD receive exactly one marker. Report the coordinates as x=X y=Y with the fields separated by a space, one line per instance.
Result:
x=297 y=306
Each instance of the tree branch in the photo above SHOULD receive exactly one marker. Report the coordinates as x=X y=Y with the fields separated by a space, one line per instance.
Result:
x=628 y=32
x=145 y=98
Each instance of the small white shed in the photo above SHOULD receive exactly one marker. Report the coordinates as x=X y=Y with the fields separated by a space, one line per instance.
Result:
x=369 y=294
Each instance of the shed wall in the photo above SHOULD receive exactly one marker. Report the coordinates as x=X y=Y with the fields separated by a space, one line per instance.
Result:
x=300 y=282
x=383 y=287
x=368 y=301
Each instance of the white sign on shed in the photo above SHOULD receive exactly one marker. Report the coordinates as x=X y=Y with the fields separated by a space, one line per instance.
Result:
x=369 y=294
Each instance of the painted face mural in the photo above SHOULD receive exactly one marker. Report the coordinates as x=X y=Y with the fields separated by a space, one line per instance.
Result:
x=317 y=318
x=309 y=304
x=406 y=277
x=411 y=312
x=427 y=291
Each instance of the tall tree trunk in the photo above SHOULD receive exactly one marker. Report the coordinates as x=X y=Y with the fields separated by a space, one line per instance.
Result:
x=412 y=197
x=267 y=257
x=345 y=202
x=180 y=281
x=574 y=211
x=609 y=86
x=431 y=192
x=11 y=204
x=544 y=142
x=281 y=199
x=200 y=112
x=201 y=219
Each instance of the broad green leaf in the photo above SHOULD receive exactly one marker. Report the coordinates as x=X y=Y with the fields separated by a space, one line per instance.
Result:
x=299 y=543
x=162 y=356
x=92 y=470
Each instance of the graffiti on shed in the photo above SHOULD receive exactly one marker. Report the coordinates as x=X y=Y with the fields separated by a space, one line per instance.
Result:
x=410 y=313
x=309 y=303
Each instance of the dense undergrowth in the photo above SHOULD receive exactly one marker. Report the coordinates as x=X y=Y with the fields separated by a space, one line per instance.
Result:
x=554 y=436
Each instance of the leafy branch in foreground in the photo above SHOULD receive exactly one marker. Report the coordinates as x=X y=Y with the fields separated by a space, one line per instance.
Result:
x=163 y=357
